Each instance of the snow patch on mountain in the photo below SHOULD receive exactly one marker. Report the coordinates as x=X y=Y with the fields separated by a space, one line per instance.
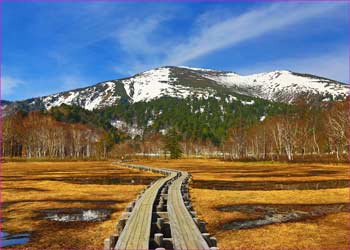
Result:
x=273 y=85
x=159 y=82
x=187 y=82
x=155 y=83
x=248 y=102
x=133 y=131
x=90 y=98
x=148 y=85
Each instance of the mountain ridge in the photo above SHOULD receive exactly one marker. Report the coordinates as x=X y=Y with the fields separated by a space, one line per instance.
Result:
x=182 y=82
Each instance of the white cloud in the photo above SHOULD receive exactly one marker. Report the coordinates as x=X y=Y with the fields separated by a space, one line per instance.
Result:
x=9 y=85
x=144 y=42
x=135 y=35
x=249 y=25
x=333 y=65
x=210 y=32
x=147 y=41
x=33 y=87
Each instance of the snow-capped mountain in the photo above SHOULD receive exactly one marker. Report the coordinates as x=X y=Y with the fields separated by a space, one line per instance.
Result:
x=282 y=86
x=182 y=82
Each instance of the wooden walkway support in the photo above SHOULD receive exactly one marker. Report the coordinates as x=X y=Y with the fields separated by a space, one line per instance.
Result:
x=168 y=195
x=184 y=230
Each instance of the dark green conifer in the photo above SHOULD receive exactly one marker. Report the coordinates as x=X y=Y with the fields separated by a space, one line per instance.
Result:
x=172 y=144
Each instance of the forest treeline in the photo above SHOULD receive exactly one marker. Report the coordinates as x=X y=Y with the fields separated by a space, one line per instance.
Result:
x=205 y=128
x=299 y=132
x=39 y=135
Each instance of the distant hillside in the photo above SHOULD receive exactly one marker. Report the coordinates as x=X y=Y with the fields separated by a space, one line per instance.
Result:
x=185 y=82
x=214 y=118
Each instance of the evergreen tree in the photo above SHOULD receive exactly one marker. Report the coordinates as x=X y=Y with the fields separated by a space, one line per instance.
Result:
x=172 y=144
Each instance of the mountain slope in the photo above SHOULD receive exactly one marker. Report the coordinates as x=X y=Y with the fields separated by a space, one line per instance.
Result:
x=283 y=86
x=183 y=82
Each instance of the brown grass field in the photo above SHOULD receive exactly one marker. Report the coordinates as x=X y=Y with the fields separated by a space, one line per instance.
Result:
x=223 y=193
x=280 y=185
x=29 y=188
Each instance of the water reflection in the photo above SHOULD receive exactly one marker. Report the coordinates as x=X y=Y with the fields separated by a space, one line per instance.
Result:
x=8 y=239
x=276 y=213
x=71 y=215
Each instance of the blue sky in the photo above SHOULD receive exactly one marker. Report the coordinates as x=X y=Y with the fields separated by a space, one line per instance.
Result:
x=51 y=47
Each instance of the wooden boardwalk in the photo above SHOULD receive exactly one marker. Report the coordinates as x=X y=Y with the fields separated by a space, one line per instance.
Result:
x=134 y=230
x=185 y=232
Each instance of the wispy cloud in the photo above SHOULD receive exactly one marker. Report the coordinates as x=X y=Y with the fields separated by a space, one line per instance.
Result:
x=333 y=65
x=136 y=35
x=210 y=32
x=9 y=84
x=137 y=39
x=30 y=87
x=249 y=25
x=77 y=44
x=147 y=38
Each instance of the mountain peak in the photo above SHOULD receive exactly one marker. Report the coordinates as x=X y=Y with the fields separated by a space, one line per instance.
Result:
x=183 y=81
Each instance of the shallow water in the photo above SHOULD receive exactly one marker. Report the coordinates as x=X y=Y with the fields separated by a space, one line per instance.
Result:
x=107 y=180
x=74 y=215
x=101 y=180
x=271 y=214
x=8 y=239
x=270 y=185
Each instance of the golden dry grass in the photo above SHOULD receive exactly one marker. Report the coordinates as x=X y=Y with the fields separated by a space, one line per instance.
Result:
x=325 y=232
x=30 y=187
x=210 y=169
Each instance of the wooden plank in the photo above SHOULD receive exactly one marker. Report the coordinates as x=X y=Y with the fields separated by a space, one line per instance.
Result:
x=136 y=233
x=185 y=232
